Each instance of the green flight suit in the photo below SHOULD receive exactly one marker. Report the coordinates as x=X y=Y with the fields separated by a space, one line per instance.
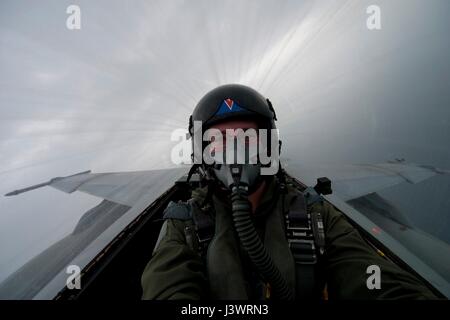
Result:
x=176 y=271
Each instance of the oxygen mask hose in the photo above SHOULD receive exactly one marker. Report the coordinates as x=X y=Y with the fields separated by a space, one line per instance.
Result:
x=251 y=241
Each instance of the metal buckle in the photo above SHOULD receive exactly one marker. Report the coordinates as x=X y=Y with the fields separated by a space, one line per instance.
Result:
x=298 y=228
x=303 y=255
x=290 y=227
x=304 y=241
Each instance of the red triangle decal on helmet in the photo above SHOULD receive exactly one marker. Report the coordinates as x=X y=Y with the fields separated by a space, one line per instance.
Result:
x=229 y=103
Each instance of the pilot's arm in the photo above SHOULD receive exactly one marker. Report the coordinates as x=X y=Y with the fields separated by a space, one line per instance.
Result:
x=346 y=260
x=175 y=270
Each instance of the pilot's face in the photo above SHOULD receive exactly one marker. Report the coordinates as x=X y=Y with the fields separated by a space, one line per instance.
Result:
x=231 y=126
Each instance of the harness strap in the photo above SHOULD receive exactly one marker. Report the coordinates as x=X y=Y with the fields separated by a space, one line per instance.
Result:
x=204 y=227
x=304 y=233
x=300 y=237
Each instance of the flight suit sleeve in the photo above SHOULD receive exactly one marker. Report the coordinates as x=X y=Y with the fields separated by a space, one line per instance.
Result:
x=175 y=271
x=347 y=256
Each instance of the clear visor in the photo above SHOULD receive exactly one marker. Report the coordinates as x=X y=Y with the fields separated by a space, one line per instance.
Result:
x=234 y=146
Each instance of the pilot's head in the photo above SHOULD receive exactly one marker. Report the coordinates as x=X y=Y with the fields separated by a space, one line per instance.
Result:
x=221 y=113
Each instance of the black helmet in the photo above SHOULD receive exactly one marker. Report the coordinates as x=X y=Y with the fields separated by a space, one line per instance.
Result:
x=223 y=103
x=233 y=100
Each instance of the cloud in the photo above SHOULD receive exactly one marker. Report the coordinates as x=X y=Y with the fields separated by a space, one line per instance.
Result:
x=107 y=97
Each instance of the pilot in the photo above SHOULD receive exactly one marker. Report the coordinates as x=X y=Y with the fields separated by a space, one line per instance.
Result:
x=248 y=235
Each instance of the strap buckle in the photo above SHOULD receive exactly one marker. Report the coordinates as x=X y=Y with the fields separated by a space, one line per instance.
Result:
x=303 y=251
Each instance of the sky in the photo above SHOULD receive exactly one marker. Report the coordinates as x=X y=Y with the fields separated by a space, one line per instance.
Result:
x=108 y=96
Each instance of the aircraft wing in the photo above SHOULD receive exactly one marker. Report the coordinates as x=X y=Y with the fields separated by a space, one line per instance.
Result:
x=125 y=188
x=354 y=181
x=348 y=181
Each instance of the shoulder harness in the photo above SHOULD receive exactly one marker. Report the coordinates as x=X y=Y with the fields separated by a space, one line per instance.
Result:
x=306 y=238
x=304 y=232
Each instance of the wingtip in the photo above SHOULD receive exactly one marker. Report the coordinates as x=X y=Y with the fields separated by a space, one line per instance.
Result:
x=16 y=192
